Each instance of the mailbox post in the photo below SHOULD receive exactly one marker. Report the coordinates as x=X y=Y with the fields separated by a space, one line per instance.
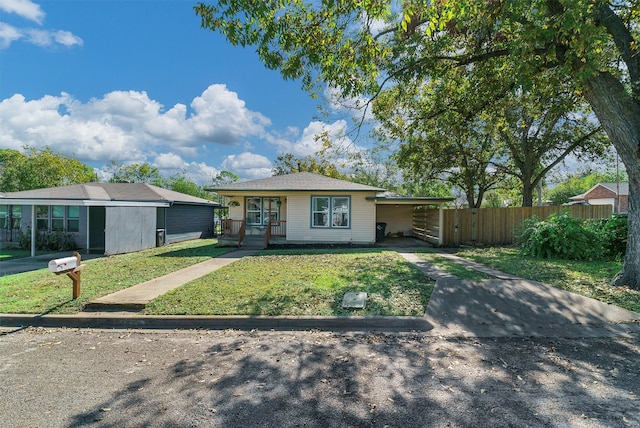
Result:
x=72 y=267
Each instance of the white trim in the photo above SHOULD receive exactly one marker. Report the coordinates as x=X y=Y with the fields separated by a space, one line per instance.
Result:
x=82 y=203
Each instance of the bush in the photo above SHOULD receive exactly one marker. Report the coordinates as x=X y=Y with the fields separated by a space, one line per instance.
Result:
x=613 y=234
x=48 y=241
x=562 y=236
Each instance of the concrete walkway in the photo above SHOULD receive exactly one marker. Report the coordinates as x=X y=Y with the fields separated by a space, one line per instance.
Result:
x=512 y=306
x=137 y=297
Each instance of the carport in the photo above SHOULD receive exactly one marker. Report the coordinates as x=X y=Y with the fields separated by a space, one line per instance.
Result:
x=418 y=217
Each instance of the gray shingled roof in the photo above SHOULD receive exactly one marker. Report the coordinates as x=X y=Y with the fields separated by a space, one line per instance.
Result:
x=298 y=182
x=124 y=192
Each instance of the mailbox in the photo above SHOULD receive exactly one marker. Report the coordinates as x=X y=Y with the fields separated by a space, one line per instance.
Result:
x=64 y=264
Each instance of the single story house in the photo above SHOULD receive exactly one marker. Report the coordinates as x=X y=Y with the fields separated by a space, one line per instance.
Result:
x=304 y=208
x=111 y=218
x=614 y=194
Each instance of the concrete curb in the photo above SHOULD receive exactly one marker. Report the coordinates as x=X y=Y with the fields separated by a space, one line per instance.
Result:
x=161 y=322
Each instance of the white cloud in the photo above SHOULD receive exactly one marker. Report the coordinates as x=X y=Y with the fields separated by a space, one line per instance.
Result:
x=36 y=36
x=127 y=126
x=170 y=163
x=24 y=8
x=220 y=116
x=66 y=38
x=8 y=34
x=248 y=166
x=310 y=141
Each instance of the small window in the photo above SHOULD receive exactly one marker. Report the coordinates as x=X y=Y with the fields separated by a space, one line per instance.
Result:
x=73 y=222
x=57 y=218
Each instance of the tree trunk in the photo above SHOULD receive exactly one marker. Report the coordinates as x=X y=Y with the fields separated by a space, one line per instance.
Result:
x=527 y=194
x=619 y=115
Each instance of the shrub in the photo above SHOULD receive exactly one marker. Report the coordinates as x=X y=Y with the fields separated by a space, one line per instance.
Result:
x=562 y=236
x=48 y=241
x=613 y=234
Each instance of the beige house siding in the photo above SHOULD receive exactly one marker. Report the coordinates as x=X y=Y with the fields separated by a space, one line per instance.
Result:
x=299 y=228
x=399 y=218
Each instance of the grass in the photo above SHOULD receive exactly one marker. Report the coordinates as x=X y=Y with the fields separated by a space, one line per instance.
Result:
x=303 y=283
x=10 y=253
x=452 y=267
x=587 y=278
x=43 y=292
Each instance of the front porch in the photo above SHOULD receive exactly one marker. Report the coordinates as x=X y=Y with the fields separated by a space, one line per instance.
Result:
x=237 y=233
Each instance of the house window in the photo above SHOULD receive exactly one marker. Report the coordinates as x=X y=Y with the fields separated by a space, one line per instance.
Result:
x=73 y=222
x=16 y=217
x=340 y=212
x=4 y=216
x=42 y=217
x=259 y=211
x=254 y=211
x=320 y=211
x=332 y=212
x=57 y=218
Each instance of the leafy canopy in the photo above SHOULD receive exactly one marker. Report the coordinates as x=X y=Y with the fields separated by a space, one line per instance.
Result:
x=40 y=169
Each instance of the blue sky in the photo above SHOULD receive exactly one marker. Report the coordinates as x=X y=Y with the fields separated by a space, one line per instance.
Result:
x=141 y=81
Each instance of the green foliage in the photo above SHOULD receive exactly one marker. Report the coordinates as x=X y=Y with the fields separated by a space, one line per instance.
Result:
x=48 y=240
x=40 y=168
x=566 y=237
x=135 y=173
x=318 y=164
x=613 y=233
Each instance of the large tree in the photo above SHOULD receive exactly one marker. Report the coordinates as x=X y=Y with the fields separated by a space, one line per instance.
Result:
x=39 y=169
x=358 y=46
x=288 y=163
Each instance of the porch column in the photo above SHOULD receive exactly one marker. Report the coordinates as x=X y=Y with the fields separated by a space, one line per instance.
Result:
x=33 y=230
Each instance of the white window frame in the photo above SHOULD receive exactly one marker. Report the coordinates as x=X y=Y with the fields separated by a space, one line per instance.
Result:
x=329 y=212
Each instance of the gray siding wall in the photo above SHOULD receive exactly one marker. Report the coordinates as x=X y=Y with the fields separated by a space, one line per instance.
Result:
x=129 y=229
x=188 y=222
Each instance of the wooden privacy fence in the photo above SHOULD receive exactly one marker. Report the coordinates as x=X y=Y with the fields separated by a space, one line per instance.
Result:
x=492 y=226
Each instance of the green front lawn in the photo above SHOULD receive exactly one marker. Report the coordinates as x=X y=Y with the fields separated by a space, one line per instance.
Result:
x=43 y=292
x=303 y=283
x=587 y=278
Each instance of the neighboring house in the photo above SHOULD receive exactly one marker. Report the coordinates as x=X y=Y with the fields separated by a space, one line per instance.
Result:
x=605 y=194
x=303 y=208
x=110 y=218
